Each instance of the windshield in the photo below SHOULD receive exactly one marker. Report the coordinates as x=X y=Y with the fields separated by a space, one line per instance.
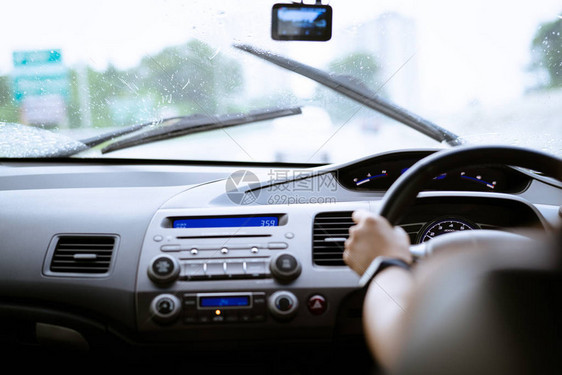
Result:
x=488 y=72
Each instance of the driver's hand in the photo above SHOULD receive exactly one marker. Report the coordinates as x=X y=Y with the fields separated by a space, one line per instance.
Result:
x=373 y=236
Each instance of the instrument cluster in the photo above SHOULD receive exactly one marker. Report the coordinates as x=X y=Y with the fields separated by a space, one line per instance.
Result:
x=380 y=173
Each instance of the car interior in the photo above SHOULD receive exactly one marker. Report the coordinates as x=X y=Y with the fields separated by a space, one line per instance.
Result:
x=116 y=260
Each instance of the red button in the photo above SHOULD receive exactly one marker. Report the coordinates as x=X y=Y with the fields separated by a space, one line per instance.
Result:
x=317 y=304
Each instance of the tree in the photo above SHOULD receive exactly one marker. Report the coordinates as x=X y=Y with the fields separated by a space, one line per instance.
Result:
x=192 y=75
x=9 y=111
x=359 y=66
x=547 y=51
x=189 y=78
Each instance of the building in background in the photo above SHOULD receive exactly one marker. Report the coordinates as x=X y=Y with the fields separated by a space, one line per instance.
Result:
x=391 y=38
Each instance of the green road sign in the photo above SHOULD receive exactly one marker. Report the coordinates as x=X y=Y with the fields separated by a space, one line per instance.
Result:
x=37 y=57
x=39 y=73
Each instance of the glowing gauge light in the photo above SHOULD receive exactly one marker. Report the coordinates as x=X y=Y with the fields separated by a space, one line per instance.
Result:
x=370 y=177
x=439 y=227
x=478 y=179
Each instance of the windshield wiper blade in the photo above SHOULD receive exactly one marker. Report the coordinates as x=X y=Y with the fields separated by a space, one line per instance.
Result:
x=99 y=139
x=358 y=92
x=200 y=123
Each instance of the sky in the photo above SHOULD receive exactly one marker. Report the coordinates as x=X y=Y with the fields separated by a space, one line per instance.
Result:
x=467 y=51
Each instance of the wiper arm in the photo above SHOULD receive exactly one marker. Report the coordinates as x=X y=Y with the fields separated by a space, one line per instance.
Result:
x=358 y=92
x=199 y=123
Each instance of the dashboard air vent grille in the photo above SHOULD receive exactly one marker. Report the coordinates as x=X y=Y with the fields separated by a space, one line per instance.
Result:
x=83 y=254
x=329 y=234
x=330 y=231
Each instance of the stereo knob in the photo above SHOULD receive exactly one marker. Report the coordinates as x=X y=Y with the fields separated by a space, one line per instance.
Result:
x=285 y=267
x=283 y=305
x=165 y=308
x=164 y=269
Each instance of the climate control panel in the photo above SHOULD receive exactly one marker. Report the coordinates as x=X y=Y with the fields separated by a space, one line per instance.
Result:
x=202 y=308
x=208 y=308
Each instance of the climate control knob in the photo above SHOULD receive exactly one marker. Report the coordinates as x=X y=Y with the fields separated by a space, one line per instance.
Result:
x=285 y=267
x=165 y=308
x=164 y=269
x=283 y=305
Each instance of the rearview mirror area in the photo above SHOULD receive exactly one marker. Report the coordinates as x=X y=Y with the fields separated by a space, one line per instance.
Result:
x=301 y=22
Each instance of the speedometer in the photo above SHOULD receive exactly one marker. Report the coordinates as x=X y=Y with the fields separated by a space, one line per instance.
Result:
x=442 y=226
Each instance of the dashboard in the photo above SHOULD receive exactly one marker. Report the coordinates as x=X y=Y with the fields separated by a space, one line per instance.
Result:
x=158 y=256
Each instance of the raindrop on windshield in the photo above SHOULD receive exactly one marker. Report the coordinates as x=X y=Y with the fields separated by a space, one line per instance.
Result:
x=22 y=141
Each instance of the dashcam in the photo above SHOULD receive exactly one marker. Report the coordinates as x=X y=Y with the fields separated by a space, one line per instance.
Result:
x=301 y=22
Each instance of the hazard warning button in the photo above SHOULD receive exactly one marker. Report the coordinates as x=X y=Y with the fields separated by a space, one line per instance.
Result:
x=317 y=304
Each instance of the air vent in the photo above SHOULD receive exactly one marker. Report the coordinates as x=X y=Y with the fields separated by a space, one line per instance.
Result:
x=330 y=231
x=83 y=254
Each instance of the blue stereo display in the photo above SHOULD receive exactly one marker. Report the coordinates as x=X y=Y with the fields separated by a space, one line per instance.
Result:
x=227 y=222
x=224 y=301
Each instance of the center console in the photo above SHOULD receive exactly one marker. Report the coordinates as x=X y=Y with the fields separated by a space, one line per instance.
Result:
x=248 y=272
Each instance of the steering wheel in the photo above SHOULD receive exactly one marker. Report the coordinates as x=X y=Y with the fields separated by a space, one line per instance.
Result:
x=406 y=188
x=472 y=317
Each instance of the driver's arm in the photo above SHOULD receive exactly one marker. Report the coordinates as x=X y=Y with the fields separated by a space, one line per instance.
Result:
x=388 y=294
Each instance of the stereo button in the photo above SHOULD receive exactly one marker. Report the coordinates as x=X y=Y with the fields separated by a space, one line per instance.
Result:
x=255 y=269
x=216 y=270
x=231 y=317
x=277 y=245
x=286 y=263
x=163 y=269
x=259 y=303
x=170 y=247
x=285 y=267
x=235 y=269
x=190 y=317
x=194 y=271
x=245 y=317
x=190 y=303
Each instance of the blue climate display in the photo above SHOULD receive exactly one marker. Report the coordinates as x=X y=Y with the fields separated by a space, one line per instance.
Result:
x=227 y=222
x=224 y=301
